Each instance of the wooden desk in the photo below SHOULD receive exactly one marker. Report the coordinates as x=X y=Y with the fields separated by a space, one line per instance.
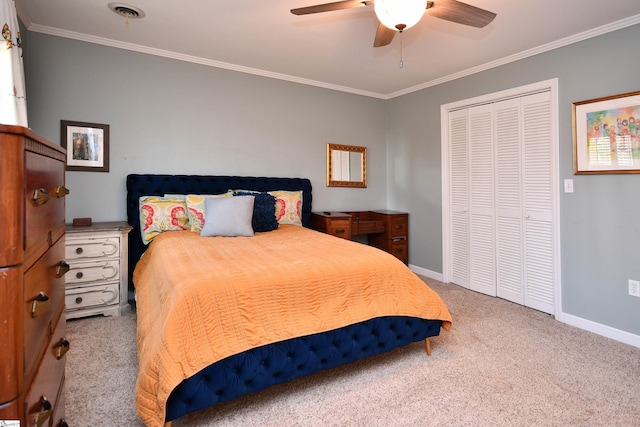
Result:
x=385 y=229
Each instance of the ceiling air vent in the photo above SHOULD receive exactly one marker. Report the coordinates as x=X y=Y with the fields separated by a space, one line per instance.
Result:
x=128 y=11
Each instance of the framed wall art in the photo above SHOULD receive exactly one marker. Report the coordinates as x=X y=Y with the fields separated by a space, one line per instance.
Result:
x=87 y=146
x=606 y=135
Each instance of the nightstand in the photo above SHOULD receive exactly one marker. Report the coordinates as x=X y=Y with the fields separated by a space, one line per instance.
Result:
x=97 y=282
x=335 y=223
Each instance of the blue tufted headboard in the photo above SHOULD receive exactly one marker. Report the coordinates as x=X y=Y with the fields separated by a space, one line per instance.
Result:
x=159 y=185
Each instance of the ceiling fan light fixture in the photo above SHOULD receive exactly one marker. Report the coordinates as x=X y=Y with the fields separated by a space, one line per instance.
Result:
x=399 y=14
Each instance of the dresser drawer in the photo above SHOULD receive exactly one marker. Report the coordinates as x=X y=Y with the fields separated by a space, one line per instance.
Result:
x=43 y=303
x=81 y=249
x=91 y=296
x=42 y=398
x=88 y=272
x=44 y=221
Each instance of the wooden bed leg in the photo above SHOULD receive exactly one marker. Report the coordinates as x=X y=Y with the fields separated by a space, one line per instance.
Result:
x=428 y=345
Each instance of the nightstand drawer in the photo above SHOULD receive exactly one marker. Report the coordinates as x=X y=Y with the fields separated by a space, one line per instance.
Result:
x=78 y=249
x=87 y=272
x=91 y=296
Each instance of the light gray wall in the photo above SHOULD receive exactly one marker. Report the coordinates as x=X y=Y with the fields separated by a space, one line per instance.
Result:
x=600 y=222
x=168 y=116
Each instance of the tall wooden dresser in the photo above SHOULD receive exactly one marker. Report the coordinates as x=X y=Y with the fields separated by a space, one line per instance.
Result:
x=32 y=284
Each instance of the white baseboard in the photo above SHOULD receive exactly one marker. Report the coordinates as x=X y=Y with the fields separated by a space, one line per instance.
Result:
x=427 y=273
x=569 y=319
x=600 y=329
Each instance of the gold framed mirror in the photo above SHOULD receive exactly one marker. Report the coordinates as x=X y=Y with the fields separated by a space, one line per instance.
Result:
x=346 y=166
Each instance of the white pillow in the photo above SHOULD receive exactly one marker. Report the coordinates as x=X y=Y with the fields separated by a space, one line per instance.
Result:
x=228 y=216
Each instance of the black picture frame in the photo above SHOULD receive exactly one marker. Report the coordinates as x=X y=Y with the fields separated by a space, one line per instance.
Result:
x=87 y=145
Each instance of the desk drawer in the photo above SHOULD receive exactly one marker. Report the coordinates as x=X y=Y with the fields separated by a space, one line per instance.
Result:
x=43 y=303
x=400 y=249
x=340 y=228
x=398 y=226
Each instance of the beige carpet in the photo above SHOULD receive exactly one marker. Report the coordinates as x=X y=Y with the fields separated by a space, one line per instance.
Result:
x=501 y=365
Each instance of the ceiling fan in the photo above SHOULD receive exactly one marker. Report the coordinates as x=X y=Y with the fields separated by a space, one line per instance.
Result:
x=390 y=23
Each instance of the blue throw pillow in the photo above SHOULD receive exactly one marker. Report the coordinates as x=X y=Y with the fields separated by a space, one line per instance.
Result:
x=264 y=210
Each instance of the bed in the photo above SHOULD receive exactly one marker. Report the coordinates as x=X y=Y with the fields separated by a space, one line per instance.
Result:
x=279 y=311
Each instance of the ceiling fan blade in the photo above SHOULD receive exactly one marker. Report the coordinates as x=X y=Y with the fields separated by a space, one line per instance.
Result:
x=328 y=7
x=462 y=13
x=384 y=36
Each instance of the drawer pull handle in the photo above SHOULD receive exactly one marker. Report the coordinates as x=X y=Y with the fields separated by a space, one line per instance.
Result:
x=398 y=227
x=39 y=418
x=60 y=191
x=78 y=300
x=40 y=197
x=61 y=269
x=340 y=231
x=79 y=275
x=62 y=348
x=399 y=250
x=79 y=251
x=39 y=304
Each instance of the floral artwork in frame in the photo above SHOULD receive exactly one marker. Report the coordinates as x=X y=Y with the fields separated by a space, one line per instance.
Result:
x=87 y=146
x=606 y=135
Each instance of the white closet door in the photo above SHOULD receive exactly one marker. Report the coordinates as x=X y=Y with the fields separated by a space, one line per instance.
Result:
x=538 y=202
x=509 y=209
x=459 y=196
x=481 y=206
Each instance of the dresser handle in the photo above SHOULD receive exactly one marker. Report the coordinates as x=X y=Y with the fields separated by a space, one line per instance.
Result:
x=79 y=275
x=398 y=227
x=39 y=418
x=399 y=250
x=62 y=348
x=79 y=251
x=39 y=304
x=60 y=191
x=78 y=300
x=342 y=230
x=40 y=197
x=61 y=269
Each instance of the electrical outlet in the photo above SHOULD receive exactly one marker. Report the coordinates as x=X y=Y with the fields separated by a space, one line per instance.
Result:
x=634 y=288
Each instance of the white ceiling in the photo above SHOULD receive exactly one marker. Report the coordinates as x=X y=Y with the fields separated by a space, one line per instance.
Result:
x=332 y=49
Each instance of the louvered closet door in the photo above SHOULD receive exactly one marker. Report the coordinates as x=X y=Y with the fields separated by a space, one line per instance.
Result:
x=509 y=209
x=481 y=206
x=537 y=177
x=459 y=201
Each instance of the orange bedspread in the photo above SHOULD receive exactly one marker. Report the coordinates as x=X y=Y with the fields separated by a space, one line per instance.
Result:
x=201 y=299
